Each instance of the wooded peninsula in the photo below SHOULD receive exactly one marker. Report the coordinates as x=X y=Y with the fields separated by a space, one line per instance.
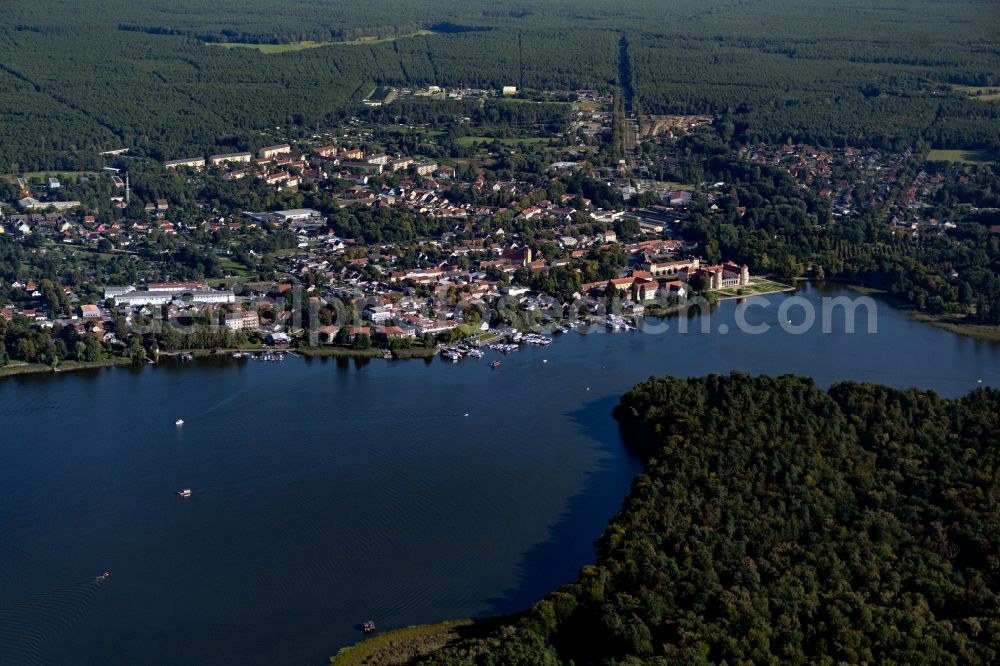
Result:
x=780 y=523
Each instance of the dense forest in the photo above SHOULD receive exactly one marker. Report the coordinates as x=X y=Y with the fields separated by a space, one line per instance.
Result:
x=778 y=523
x=822 y=73
x=150 y=75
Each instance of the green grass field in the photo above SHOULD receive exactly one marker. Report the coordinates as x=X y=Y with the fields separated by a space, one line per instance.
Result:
x=967 y=156
x=757 y=287
x=232 y=266
x=508 y=141
x=300 y=46
x=272 y=48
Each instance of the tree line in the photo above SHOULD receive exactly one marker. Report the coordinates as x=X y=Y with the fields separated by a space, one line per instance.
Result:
x=780 y=523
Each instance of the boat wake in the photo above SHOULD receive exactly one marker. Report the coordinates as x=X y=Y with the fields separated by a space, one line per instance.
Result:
x=216 y=410
x=25 y=628
x=222 y=403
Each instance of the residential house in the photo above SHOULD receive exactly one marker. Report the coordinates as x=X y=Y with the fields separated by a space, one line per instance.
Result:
x=396 y=332
x=90 y=311
x=645 y=290
x=426 y=168
x=273 y=151
x=400 y=163
x=190 y=162
x=218 y=160
x=364 y=167
x=242 y=321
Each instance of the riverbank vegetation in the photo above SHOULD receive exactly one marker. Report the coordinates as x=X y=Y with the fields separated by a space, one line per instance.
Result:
x=960 y=325
x=402 y=646
x=21 y=368
x=777 y=522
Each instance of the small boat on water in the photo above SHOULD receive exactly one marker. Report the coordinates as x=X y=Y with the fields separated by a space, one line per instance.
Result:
x=179 y=422
x=184 y=492
x=495 y=364
x=368 y=627
x=104 y=576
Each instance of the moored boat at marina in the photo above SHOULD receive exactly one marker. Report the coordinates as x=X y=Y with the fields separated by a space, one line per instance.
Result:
x=615 y=323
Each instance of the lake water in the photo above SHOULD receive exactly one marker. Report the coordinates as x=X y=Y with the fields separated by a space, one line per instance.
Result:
x=328 y=492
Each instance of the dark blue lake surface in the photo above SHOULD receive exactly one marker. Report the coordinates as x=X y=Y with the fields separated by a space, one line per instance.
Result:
x=327 y=492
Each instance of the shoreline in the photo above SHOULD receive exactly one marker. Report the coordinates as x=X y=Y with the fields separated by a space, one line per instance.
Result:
x=403 y=645
x=66 y=366
x=20 y=368
x=757 y=287
x=952 y=323
x=764 y=287
x=949 y=323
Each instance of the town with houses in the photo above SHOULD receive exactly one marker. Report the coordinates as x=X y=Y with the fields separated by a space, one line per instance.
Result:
x=436 y=289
